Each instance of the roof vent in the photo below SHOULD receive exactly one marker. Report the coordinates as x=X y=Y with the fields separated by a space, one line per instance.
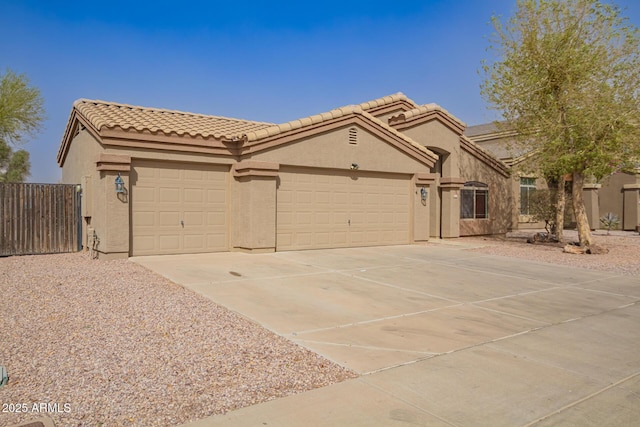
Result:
x=353 y=135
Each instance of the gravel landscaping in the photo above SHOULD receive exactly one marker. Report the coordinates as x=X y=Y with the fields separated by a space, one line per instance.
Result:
x=623 y=256
x=109 y=343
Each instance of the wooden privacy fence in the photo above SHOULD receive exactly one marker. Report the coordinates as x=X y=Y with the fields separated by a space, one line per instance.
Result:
x=39 y=218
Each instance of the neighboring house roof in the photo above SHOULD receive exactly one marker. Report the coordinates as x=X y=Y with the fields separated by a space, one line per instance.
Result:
x=497 y=141
x=484 y=155
x=497 y=148
x=483 y=129
x=114 y=115
x=501 y=143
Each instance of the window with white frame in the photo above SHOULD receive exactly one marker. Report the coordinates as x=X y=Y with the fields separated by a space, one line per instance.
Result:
x=474 y=200
x=527 y=188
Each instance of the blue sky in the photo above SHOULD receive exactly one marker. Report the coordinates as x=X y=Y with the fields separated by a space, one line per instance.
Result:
x=266 y=61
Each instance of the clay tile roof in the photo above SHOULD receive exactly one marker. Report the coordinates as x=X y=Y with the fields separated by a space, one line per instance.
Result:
x=112 y=115
x=389 y=99
x=427 y=109
x=301 y=123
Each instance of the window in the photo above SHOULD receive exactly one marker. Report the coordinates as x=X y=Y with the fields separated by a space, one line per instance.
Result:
x=527 y=188
x=475 y=201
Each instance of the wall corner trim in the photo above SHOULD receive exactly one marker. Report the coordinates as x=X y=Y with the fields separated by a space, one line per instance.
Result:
x=591 y=186
x=254 y=168
x=452 y=182
x=113 y=162
x=424 y=178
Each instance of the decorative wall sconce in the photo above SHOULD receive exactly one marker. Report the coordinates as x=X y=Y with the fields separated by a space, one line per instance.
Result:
x=423 y=194
x=119 y=184
x=354 y=166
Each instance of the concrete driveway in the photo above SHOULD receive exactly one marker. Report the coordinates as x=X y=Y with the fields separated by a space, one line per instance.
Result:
x=440 y=335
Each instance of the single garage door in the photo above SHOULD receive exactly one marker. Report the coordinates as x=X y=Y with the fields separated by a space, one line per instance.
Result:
x=330 y=209
x=178 y=208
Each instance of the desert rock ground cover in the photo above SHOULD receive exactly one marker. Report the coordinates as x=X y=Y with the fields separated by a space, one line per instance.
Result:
x=111 y=343
x=623 y=256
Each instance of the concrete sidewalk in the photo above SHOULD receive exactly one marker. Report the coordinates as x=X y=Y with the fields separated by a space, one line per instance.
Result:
x=440 y=335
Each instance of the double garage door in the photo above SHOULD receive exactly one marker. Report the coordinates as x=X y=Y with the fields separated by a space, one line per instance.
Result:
x=330 y=209
x=184 y=208
x=178 y=208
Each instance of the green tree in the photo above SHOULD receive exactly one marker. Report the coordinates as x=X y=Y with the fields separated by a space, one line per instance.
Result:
x=567 y=81
x=21 y=114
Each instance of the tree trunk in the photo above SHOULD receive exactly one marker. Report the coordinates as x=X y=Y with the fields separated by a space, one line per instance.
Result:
x=560 y=207
x=582 y=223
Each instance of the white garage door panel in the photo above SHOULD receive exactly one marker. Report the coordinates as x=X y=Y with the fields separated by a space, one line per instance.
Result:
x=326 y=209
x=163 y=195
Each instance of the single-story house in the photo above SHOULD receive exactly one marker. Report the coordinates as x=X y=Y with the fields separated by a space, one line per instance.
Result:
x=384 y=172
x=618 y=193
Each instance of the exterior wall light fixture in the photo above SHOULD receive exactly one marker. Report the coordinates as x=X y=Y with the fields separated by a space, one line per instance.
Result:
x=119 y=184
x=423 y=194
x=354 y=166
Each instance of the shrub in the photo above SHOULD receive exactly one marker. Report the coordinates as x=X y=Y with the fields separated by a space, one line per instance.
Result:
x=609 y=221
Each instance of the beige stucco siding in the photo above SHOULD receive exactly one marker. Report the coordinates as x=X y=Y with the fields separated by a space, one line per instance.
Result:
x=81 y=158
x=446 y=144
x=169 y=156
x=441 y=139
x=80 y=168
x=333 y=150
x=611 y=194
x=500 y=200
x=253 y=218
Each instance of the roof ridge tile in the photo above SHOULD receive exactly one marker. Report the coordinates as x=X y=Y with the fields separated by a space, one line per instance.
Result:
x=388 y=99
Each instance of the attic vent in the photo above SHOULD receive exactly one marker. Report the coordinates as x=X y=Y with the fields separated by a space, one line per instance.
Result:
x=353 y=136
